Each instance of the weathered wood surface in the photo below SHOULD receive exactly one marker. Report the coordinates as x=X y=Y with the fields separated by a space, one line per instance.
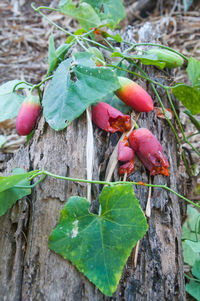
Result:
x=30 y=271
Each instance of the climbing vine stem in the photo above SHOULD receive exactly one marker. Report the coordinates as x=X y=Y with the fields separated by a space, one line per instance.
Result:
x=45 y=173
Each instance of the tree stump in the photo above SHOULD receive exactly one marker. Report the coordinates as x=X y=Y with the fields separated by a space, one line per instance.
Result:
x=30 y=271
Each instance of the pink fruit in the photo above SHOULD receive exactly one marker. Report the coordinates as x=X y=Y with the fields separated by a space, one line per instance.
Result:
x=134 y=96
x=110 y=119
x=127 y=167
x=28 y=115
x=149 y=150
x=125 y=154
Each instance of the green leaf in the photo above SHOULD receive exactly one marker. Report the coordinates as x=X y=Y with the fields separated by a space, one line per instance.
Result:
x=9 y=102
x=10 y=181
x=145 y=59
x=191 y=251
x=2 y=140
x=65 y=100
x=52 y=57
x=112 y=12
x=189 y=96
x=78 y=32
x=62 y=50
x=188 y=229
x=9 y=196
x=115 y=102
x=196 y=269
x=193 y=288
x=193 y=70
x=84 y=13
x=97 y=56
x=99 y=245
x=84 y=59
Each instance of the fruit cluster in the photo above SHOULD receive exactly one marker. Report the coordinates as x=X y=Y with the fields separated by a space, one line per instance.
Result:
x=142 y=141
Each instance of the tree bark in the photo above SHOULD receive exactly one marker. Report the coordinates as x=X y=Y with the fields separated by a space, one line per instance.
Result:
x=30 y=271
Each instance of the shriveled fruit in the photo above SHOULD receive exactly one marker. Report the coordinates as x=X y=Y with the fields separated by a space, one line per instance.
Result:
x=150 y=151
x=110 y=119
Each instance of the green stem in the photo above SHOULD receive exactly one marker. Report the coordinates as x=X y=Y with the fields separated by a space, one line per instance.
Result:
x=175 y=114
x=190 y=278
x=194 y=149
x=51 y=22
x=41 y=83
x=43 y=7
x=43 y=172
x=136 y=126
x=161 y=104
x=179 y=123
x=22 y=82
x=81 y=44
x=33 y=185
x=109 y=44
x=136 y=74
x=97 y=44
x=197 y=133
x=155 y=45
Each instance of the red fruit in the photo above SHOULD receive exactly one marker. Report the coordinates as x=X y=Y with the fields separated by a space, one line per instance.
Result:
x=125 y=154
x=127 y=167
x=149 y=150
x=134 y=96
x=110 y=119
x=28 y=115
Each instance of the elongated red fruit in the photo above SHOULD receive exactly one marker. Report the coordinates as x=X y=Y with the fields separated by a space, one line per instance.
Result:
x=110 y=119
x=134 y=96
x=28 y=115
x=149 y=150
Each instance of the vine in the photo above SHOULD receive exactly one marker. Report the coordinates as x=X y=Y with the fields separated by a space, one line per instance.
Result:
x=69 y=77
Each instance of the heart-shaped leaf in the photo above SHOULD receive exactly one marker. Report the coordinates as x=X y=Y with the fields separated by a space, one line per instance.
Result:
x=99 y=245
